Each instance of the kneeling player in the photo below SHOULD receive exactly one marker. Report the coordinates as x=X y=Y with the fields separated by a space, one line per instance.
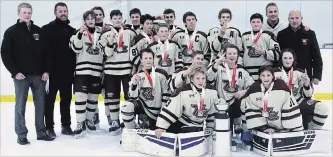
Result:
x=268 y=105
x=231 y=82
x=189 y=107
x=148 y=93
x=314 y=113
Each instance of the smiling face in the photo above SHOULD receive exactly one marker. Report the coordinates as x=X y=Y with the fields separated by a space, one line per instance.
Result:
x=231 y=55
x=287 y=59
x=256 y=24
x=99 y=16
x=25 y=14
x=272 y=13
x=266 y=78
x=135 y=18
x=90 y=21
x=116 y=20
x=61 y=13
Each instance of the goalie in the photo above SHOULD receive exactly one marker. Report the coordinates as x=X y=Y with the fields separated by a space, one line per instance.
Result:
x=268 y=105
x=314 y=113
x=148 y=93
x=189 y=107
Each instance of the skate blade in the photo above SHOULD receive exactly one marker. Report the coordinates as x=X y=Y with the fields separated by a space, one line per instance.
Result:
x=81 y=135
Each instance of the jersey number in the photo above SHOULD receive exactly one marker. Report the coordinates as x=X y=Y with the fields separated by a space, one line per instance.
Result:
x=135 y=52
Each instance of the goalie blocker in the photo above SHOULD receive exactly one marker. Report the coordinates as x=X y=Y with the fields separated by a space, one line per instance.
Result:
x=292 y=143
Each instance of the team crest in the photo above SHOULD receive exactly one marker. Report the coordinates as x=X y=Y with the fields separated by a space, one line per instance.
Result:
x=310 y=102
x=272 y=115
x=90 y=50
x=147 y=93
x=164 y=63
x=305 y=42
x=252 y=53
x=36 y=36
x=197 y=113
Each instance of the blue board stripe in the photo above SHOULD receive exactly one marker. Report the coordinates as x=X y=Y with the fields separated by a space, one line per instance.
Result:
x=159 y=142
x=190 y=139
x=167 y=139
x=192 y=144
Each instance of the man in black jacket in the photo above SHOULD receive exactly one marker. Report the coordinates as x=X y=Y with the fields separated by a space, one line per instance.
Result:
x=305 y=44
x=23 y=56
x=57 y=34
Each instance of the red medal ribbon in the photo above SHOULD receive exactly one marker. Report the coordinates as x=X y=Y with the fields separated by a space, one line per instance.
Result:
x=190 y=45
x=290 y=84
x=201 y=103
x=90 y=37
x=233 y=78
x=166 y=55
x=257 y=38
x=120 y=44
x=153 y=38
x=149 y=78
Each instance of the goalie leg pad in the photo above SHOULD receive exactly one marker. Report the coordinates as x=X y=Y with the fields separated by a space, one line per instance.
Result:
x=314 y=114
x=194 y=144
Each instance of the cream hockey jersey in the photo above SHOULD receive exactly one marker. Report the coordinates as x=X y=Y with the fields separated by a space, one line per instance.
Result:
x=167 y=55
x=196 y=42
x=153 y=98
x=276 y=29
x=283 y=112
x=89 y=57
x=298 y=89
x=220 y=79
x=252 y=61
x=177 y=80
x=119 y=55
x=217 y=43
x=139 y=42
x=184 y=106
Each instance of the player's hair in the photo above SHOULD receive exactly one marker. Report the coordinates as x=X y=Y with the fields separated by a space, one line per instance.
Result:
x=135 y=11
x=256 y=16
x=162 y=25
x=201 y=69
x=224 y=10
x=189 y=13
x=280 y=64
x=169 y=11
x=62 y=4
x=23 y=5
x=270 y=4
x=98 y=8
x=115 y=13
x=197 y=53
x=146 y=50
x=224 y=50
x=146 y=17
x=87 y=13
x=268 y=68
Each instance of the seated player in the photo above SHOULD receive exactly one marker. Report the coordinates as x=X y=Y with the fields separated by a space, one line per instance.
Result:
x=314 y=113
x=268 y=105
x=148 y=93
x=180 y=77
x=189 y=107
x=231 y=82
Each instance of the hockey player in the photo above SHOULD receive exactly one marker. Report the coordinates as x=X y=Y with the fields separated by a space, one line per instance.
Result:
x=181 y=76
x=189 y=107
x=169 y=18
x=224 y=34
x=118 y=67
x=135 y=15
x=190 y=39
x=148 y=93
x=314 y=113
x=143 y=39
x=268 y=105
x=167 y=52
x=260 y=47
x=231 y=82
x=87 y=73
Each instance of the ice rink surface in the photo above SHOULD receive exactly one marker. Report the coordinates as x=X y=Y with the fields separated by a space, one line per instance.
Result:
x=98 y=144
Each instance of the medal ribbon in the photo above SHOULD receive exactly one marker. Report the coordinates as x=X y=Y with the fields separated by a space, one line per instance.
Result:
x=265 y=101
x=201 y=97
x=231 y=78
x=165 y=49
x=291 y=73
x=150 y=78
x=190 y=40
x=257 y=38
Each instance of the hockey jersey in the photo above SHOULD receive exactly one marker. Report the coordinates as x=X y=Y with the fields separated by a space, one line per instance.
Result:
x=295 y=83
x=221 y=78
x=252 y=61
x=197 y=41
x=217 y=43
x=137 y=29
x=283 y=112
x=184 y=106
x=89 y=58
x=116 y=46
x=278 y=27
x=154 y=96
x=177 y=80
x=138 y=43
x=167 y=55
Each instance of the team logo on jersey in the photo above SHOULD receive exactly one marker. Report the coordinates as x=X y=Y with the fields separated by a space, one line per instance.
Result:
x=310 y=102
x=191 y=95
x=147 y=93
x=305 y=42
x=91 y=50
x=124 y=49
x=197 y=113
x=252 y=53
x=272 y=115
x=36 y=36
x=259 y=99
x=164 y=63
x=295 y=90
x=227 y=87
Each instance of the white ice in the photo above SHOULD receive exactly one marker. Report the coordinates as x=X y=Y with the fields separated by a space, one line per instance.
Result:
x=99 y=144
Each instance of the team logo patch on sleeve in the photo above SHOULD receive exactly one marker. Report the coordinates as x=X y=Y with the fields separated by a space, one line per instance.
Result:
x=36 y=36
